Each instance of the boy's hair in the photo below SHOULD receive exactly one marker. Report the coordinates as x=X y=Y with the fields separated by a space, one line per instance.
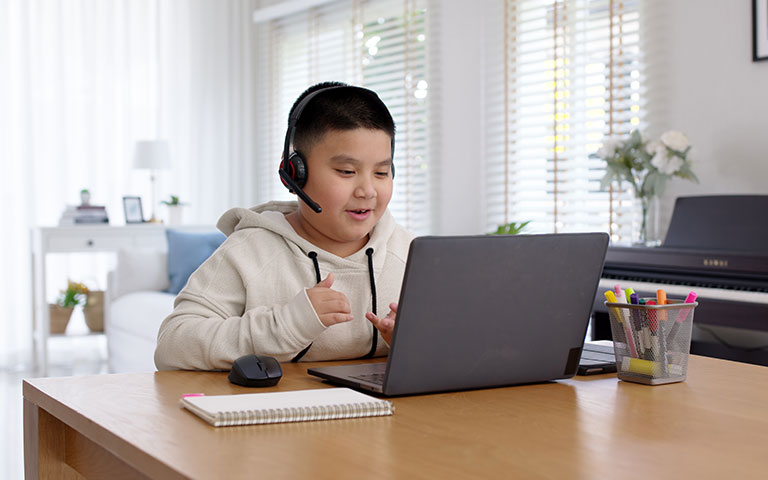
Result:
x=338 y=109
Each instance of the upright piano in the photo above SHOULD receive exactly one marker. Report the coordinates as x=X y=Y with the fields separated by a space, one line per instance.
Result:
x=716 y=246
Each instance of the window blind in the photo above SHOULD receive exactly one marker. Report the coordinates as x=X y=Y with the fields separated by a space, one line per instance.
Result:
x=561 y=75
x=381 y=45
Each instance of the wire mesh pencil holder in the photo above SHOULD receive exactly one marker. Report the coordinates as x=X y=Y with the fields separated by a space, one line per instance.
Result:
x=652 y=342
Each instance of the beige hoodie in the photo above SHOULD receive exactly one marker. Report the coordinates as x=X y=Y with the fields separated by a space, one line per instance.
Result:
x=250 y=296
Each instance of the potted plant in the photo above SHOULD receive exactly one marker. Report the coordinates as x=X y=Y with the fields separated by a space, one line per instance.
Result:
x=646 y=166
x=85 y=197
x=175 y=209
x=61 y=311
x=511 y=228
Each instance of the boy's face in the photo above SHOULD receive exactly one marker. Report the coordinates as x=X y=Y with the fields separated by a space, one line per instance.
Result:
x=349 y=176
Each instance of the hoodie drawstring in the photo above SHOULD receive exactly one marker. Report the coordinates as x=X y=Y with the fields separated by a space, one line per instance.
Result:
x=313 y=256
x=374 y=342
x=369 y=253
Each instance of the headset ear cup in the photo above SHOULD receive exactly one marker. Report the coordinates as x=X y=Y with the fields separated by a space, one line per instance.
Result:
x=285 y=170
x=298 y=169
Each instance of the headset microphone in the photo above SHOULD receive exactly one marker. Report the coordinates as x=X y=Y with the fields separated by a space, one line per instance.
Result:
x=288 y=181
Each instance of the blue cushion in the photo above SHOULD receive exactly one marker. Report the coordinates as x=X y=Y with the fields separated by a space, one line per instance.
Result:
x=186 y=252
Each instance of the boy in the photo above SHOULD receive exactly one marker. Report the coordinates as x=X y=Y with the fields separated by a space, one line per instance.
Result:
x=303 y=281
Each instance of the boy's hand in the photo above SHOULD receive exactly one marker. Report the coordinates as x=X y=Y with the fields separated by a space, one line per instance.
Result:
x=330 y=305
x=385 y=325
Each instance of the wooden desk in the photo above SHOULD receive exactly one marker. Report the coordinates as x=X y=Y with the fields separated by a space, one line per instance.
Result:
x=713 y=425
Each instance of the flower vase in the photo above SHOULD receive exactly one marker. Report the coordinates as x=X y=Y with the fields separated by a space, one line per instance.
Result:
x=94 y=310
x=175 y=215
x=59 y=318
x=650 y=235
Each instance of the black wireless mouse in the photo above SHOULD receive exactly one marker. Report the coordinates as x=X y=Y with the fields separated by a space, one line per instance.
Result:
x=255 y=371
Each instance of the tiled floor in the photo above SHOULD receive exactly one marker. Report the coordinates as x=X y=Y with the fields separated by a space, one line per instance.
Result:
x=70 y=355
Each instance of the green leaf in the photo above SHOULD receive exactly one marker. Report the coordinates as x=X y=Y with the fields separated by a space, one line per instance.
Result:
x=511 y=228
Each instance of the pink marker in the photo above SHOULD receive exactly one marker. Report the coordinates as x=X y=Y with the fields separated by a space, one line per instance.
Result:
x=185 y=395
x=682 y=314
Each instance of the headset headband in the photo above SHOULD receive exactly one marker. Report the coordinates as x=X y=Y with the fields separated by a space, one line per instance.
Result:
x=294 y=117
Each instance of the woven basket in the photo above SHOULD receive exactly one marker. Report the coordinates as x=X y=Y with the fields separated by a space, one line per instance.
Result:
x=94 y=311
x=59 y=317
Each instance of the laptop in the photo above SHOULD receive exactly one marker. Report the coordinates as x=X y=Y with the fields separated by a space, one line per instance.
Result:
x=486 y=311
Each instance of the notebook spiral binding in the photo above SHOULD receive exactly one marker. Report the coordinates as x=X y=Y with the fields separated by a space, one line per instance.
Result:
x=305 y=414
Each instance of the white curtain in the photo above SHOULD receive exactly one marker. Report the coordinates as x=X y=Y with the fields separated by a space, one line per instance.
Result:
x=80 y=82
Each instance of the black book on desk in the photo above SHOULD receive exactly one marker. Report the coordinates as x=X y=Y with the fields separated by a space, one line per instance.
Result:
x=716 y=246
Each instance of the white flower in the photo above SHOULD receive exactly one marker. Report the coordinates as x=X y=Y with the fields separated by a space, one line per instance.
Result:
x=675 y=140
x=655 y=147
x=609 y=147
x=664 y=162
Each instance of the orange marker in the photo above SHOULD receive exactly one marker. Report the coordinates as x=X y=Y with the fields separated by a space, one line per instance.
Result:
x=661 y=299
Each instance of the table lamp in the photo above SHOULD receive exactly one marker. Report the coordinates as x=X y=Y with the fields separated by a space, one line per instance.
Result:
x=152 y=155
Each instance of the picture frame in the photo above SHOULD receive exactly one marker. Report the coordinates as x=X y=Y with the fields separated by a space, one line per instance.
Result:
x=759 y=30
x=132 y=210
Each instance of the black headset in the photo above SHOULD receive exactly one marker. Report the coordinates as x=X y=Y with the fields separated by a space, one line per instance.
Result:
x=293 y=167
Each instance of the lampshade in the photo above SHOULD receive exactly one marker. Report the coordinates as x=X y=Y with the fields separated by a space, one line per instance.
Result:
x=152 y=154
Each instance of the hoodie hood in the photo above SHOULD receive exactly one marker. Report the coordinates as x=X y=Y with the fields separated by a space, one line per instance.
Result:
x=271 y=216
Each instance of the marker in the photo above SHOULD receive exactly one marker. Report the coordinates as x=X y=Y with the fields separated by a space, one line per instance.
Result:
x=641 y=327
x=642 y=341
x=636 y=320
x=620 y=296
x=682 y=314
x=611 y=297
x=661 y=299
x=653 y=322
x=647 y=367
x=691 y=298
x=659 y=345
x=628 y=293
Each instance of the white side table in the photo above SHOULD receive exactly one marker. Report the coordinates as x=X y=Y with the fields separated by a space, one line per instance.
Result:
x=78 y=238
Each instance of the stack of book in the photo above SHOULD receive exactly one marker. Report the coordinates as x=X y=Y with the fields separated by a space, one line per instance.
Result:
x=76 y=214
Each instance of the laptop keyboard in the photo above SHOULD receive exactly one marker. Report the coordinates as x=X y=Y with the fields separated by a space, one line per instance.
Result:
x=590 y=355
x=375 y=378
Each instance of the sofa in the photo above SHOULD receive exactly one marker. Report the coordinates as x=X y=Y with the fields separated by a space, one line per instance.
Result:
x=141 y=291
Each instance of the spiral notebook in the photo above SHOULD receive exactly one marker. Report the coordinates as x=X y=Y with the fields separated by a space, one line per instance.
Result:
x=280 y=407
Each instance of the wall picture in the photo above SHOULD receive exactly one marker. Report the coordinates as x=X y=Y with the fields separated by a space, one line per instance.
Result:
x=132 y=209
x=759 y=30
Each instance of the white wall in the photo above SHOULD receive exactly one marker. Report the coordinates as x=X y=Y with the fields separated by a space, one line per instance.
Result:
x=702 y=81
x=715 y=94
x=459 y=60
